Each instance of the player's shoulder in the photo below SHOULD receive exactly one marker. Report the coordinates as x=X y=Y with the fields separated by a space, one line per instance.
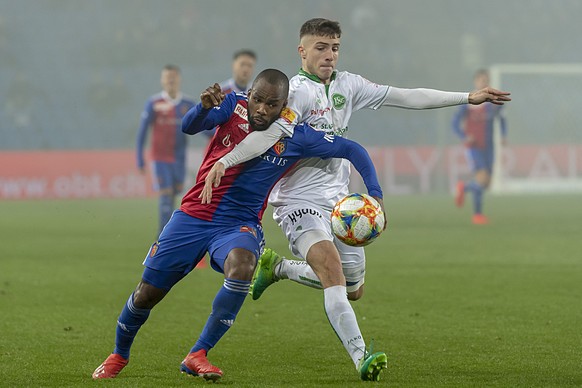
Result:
x=304 y=130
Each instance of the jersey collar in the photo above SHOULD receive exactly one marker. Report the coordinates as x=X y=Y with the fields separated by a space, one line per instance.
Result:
x=315 y=78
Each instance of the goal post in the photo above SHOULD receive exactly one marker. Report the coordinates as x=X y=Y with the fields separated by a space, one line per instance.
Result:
x=544 y=121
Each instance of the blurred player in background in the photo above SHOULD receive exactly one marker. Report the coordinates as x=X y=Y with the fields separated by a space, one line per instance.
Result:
x=325 y=98
x=474 y=126
x=229 y=229
x=163 y=113
x=243 y=68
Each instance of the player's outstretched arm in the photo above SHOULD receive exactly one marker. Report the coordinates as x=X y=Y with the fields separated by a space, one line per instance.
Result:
x=202 y=117
x=489 y=94
x=322 y=145
x=421 y=98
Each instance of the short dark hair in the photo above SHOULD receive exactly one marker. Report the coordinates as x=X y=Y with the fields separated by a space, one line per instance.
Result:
x=274 y=77
x=246 y=52
x=321 y=27
x=169 y=66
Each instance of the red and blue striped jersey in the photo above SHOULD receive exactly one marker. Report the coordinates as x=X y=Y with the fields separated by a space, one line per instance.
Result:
x=477 y=122
x=243 y=191
x=164 y=116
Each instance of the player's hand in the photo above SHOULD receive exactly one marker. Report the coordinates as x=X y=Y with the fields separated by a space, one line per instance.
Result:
x=381 y=202
x=212 y=96
x=488 y=94
x=212 y=180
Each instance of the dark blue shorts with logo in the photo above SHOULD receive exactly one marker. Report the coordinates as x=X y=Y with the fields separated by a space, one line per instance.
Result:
x=185 y=240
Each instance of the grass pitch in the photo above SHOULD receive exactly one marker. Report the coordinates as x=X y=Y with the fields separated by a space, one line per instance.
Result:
x=452 y=304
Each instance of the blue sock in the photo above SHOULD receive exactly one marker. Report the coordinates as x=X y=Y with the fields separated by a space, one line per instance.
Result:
x=225 y=307
x=166 y=206
x=128 y=323
x=477 y=191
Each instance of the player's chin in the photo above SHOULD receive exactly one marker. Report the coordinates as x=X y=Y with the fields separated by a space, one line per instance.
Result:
x=259 y=125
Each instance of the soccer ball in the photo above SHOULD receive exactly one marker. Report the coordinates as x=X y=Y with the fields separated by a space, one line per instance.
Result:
x=357 y=219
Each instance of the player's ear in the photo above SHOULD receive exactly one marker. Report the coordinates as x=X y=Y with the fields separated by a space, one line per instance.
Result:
x=301 y=51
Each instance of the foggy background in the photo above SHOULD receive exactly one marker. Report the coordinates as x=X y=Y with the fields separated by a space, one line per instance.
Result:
x=76 y=74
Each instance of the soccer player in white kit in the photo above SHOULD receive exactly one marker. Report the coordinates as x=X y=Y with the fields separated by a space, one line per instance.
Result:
x=303 y=199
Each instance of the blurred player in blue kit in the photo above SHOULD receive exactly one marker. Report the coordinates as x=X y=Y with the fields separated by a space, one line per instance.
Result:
x=243 y=68
x=474 y=125
x=229 y=228
x=163 y=114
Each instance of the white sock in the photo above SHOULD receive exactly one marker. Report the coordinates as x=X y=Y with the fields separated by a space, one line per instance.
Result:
x=343 y=320
x=298 y=271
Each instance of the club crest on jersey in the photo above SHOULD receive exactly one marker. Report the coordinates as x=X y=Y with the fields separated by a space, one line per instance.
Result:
x=154 y=249
x=288 y=115
x=226 y=141
x=338 y=101
x=248 y=229
x=279 y=147
x=241 y=111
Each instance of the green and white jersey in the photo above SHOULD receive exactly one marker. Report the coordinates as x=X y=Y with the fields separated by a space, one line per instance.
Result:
x=327 y=108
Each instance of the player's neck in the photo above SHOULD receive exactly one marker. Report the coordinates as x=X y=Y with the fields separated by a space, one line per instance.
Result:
x=315 y=78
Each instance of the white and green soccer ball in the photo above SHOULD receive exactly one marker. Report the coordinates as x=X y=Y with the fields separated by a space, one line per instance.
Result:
x=357 y=219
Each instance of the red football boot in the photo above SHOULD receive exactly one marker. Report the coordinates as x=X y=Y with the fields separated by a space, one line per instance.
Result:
x=110 y=367
x=460 y=194
x=196 y=364
x=480 y=219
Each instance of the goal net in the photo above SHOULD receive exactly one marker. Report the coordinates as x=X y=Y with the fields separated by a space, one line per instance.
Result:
x=544 y=129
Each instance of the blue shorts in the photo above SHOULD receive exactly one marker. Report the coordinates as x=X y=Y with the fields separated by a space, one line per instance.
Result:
x=480 y=159
x=168 y=175
x=186 y=239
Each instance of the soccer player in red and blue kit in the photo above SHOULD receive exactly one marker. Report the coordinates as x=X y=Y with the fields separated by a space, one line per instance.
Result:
x=163 y=113
x=473 y=124
x=229 y=228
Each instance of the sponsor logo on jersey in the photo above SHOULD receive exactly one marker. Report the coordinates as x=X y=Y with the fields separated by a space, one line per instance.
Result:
x=241 y=111
x=248 y=229
x=319 y=112
x=244 y=127
x=338 y=132
x=279 y=147
x=338 y=101
x=281 y=162
x=226 y=141
x=154 y=249
x=288 y=115
x=298 y=214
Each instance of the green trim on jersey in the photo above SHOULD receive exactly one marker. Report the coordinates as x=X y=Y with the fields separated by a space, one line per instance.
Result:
x=315 y=78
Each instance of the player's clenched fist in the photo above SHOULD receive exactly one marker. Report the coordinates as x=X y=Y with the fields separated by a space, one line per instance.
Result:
x=212 y=96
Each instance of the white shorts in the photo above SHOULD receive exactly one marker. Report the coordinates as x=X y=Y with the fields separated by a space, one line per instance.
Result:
x=305 y=224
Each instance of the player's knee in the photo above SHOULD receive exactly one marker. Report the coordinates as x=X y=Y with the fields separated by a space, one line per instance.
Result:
x=147 y=296
x=240 y=264
x=166 y=191
x=356 y=295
